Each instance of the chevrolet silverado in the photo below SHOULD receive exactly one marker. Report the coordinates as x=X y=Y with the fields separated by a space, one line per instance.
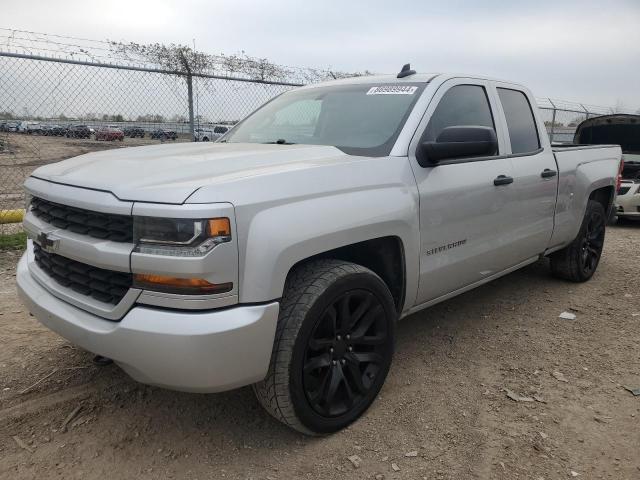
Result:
x=283 y=255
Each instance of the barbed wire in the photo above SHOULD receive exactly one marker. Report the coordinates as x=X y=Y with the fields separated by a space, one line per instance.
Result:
x=133 y=54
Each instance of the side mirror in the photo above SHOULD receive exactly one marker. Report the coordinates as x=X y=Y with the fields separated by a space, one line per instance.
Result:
x=458 y=142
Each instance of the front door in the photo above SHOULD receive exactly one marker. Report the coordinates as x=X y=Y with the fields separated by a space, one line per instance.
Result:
x=464 y=224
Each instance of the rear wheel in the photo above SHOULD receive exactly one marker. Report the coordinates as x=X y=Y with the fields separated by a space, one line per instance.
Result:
x=578 y=261
x=333 y=347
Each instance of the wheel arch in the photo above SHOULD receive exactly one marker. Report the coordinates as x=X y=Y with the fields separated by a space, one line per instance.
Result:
x=383 y=255
x=604 y=196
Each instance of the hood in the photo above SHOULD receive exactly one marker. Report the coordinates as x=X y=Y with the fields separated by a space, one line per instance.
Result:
x=171 y=173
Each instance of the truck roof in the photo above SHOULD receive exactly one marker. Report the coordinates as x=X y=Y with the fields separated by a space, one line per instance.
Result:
x=386 y=79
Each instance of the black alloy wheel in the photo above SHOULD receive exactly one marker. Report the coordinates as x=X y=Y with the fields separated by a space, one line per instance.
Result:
x=592 y=243
x=578 y=261
x=344 y=353
x=333 y=346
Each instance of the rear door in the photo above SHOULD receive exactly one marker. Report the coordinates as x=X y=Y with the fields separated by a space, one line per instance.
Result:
x=464 y=222
x=535 y=174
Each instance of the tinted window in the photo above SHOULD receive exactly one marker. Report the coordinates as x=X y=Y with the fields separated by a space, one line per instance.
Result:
x=220 y=129
x=520 y=121
x=462 y=105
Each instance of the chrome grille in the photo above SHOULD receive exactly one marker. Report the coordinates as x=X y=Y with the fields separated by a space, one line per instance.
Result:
x=107 y=226
x=103 y=285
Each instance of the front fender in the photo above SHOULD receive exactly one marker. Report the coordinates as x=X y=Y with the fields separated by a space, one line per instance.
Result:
x=280 y=236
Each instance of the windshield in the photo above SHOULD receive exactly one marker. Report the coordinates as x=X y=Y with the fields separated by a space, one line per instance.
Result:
x=359 y=119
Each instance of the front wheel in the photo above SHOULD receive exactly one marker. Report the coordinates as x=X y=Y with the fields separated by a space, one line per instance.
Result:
x=578 y=261
x=332 y=349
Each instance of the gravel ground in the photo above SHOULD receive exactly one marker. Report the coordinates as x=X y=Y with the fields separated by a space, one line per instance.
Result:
x=442 y=414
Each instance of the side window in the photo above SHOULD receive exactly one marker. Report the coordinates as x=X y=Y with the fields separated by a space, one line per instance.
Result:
x=520 y=122
x=462 y=105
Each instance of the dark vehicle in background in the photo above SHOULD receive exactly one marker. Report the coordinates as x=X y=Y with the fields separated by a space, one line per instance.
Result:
x=78 y=131
x=133 y=132
x=623 y=130
x=163 y=134
x=109 y=134
x=54 y=130
x=617 y=129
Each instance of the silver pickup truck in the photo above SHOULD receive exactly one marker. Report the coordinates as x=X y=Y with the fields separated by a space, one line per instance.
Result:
x=283 y=255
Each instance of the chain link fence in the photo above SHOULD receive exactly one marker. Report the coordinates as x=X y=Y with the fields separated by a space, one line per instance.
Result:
x=56 y=108
x=52 y=109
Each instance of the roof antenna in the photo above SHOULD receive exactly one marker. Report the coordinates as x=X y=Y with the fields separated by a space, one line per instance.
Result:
x=406 y=71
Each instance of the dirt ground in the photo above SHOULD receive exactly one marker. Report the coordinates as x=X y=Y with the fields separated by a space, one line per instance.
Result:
x=442 y=414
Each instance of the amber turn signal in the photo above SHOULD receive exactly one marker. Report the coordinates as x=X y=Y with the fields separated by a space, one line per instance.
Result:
x=189 y=286
x=219 y=227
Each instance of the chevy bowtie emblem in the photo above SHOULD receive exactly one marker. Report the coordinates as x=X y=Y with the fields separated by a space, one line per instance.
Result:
x=47 y=243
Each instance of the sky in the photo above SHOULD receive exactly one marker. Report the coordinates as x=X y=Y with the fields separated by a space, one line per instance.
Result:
x=585 y=51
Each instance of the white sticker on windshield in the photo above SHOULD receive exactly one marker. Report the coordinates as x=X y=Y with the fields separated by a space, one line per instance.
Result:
x=393 y=90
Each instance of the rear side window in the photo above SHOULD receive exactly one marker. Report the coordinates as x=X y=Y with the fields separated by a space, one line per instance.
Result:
x=520 y=122
x=462 y=105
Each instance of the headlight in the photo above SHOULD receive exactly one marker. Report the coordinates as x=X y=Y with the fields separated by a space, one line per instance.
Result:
x=179 y=237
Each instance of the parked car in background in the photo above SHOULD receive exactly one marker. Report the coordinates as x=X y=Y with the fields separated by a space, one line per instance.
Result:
x=623 y=130
x=30 y=127
x=12 y=126
x=78 y=131
x=3 y=127
x=283 y=255
x=53 y=130
x=163 y=134
x=209 y=134
x=134 y=132
x=109 y=134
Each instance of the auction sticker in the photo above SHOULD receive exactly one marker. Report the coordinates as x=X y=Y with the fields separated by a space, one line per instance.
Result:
x=393 y=90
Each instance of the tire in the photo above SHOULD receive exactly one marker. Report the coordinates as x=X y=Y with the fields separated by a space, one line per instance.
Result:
x=310 y=357
x=579 y=260
x=205 y=139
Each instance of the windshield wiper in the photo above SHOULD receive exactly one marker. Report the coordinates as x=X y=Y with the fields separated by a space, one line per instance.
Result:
x=280 y=141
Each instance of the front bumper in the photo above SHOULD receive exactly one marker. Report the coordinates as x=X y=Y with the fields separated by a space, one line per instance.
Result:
x=209 y=351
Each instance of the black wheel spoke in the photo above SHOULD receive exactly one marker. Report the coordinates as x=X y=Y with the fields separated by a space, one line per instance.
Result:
x=344 y=314
x=365 y=324
x=354 y=373
x=317 y=344
x=360 y=311
x=333 y=320
x=369 y=357
x=370 y=340
x=318 y=362
x=332 y=385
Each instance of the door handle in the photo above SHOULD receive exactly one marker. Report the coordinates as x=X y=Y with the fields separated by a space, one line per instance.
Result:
x=502 y=180
x=548 y=173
